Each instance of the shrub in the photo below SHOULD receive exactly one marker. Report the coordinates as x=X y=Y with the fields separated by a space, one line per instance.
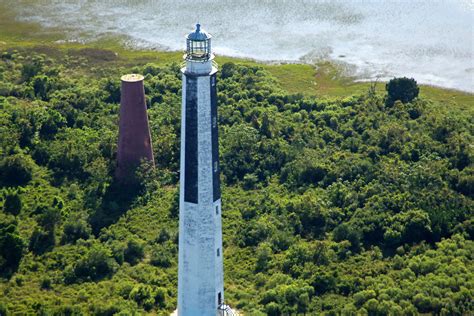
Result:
x=307 y=169
x=160 y=257
x=363 y=296
x=272 y=309
x=3 y=309
x=107 y=309
x=19 y=279
x=426 y=304
x=41 y=241
x=67 y=310
x=49 y=218
x=134 y=251
x=95 y=265
x=163 y=236
x=142 y=294
x=75 y=229
x=124 y=289
x=160 y=296
x=45 y=283
x=264 y=255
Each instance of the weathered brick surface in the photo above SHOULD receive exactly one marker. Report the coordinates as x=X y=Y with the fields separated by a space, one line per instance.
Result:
x=134 y=133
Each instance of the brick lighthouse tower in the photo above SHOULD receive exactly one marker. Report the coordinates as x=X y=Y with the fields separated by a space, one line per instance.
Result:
x=200 y=271
x=134 y=142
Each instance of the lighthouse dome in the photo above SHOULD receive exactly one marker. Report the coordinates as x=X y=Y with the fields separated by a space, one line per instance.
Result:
x=199 y=34
x=198 y=45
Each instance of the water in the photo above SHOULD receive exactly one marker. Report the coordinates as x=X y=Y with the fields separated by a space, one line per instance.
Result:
x=431 y=41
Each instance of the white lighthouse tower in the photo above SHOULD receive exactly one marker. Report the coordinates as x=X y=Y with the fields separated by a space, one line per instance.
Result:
x=200 y=271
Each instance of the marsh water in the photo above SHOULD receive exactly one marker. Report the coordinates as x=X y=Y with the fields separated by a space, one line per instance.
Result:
x=431 y=41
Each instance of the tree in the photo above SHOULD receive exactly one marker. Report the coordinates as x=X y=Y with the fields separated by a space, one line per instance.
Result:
x=240 y=154
x=265 y=127
x=402 y=89
x=42 y=86
x=465 y=183
x=228 y=70
x=16 y=170
x=31 y=69
x=53 y=122
x=11 y=245
x=112 y=87
x=12 y=204
x=346 y=232
x=408 y=227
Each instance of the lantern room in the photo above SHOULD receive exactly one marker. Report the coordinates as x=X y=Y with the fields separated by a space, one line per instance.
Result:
x=198 y=45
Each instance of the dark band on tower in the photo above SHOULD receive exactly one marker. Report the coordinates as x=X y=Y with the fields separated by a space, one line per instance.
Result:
x=216 y=187
x=191 y=142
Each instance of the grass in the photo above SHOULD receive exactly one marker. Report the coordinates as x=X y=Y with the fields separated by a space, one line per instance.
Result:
x=324 y=79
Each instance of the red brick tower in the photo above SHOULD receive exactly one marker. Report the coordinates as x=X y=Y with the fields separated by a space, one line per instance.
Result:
x=134 y=142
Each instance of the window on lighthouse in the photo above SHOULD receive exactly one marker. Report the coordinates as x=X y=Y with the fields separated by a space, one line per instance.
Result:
x=218 y=252
x=199 y=48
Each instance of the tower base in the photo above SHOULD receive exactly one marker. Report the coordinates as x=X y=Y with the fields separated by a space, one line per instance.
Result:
x=224 y=310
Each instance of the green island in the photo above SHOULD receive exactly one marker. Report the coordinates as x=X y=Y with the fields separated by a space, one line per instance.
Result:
x=335 y=200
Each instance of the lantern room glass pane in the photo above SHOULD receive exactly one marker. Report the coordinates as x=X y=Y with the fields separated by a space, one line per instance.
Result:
x=198 y=49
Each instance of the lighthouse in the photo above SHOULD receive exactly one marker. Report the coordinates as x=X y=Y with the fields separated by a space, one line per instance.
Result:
x=200 y=269
x=134 y=142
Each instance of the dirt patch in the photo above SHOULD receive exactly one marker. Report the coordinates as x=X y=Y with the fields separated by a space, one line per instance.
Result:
x=95 y=54
x=47 y=50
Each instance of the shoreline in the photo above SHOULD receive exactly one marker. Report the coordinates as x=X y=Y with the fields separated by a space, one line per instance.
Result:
x=340 y=65
x=326 y=78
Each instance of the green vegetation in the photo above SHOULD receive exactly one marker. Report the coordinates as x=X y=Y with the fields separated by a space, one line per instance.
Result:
x=343 y=205
x=401 y=89
x=335 y=201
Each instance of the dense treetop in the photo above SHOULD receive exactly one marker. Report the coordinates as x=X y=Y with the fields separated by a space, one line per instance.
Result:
x=362 y=204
